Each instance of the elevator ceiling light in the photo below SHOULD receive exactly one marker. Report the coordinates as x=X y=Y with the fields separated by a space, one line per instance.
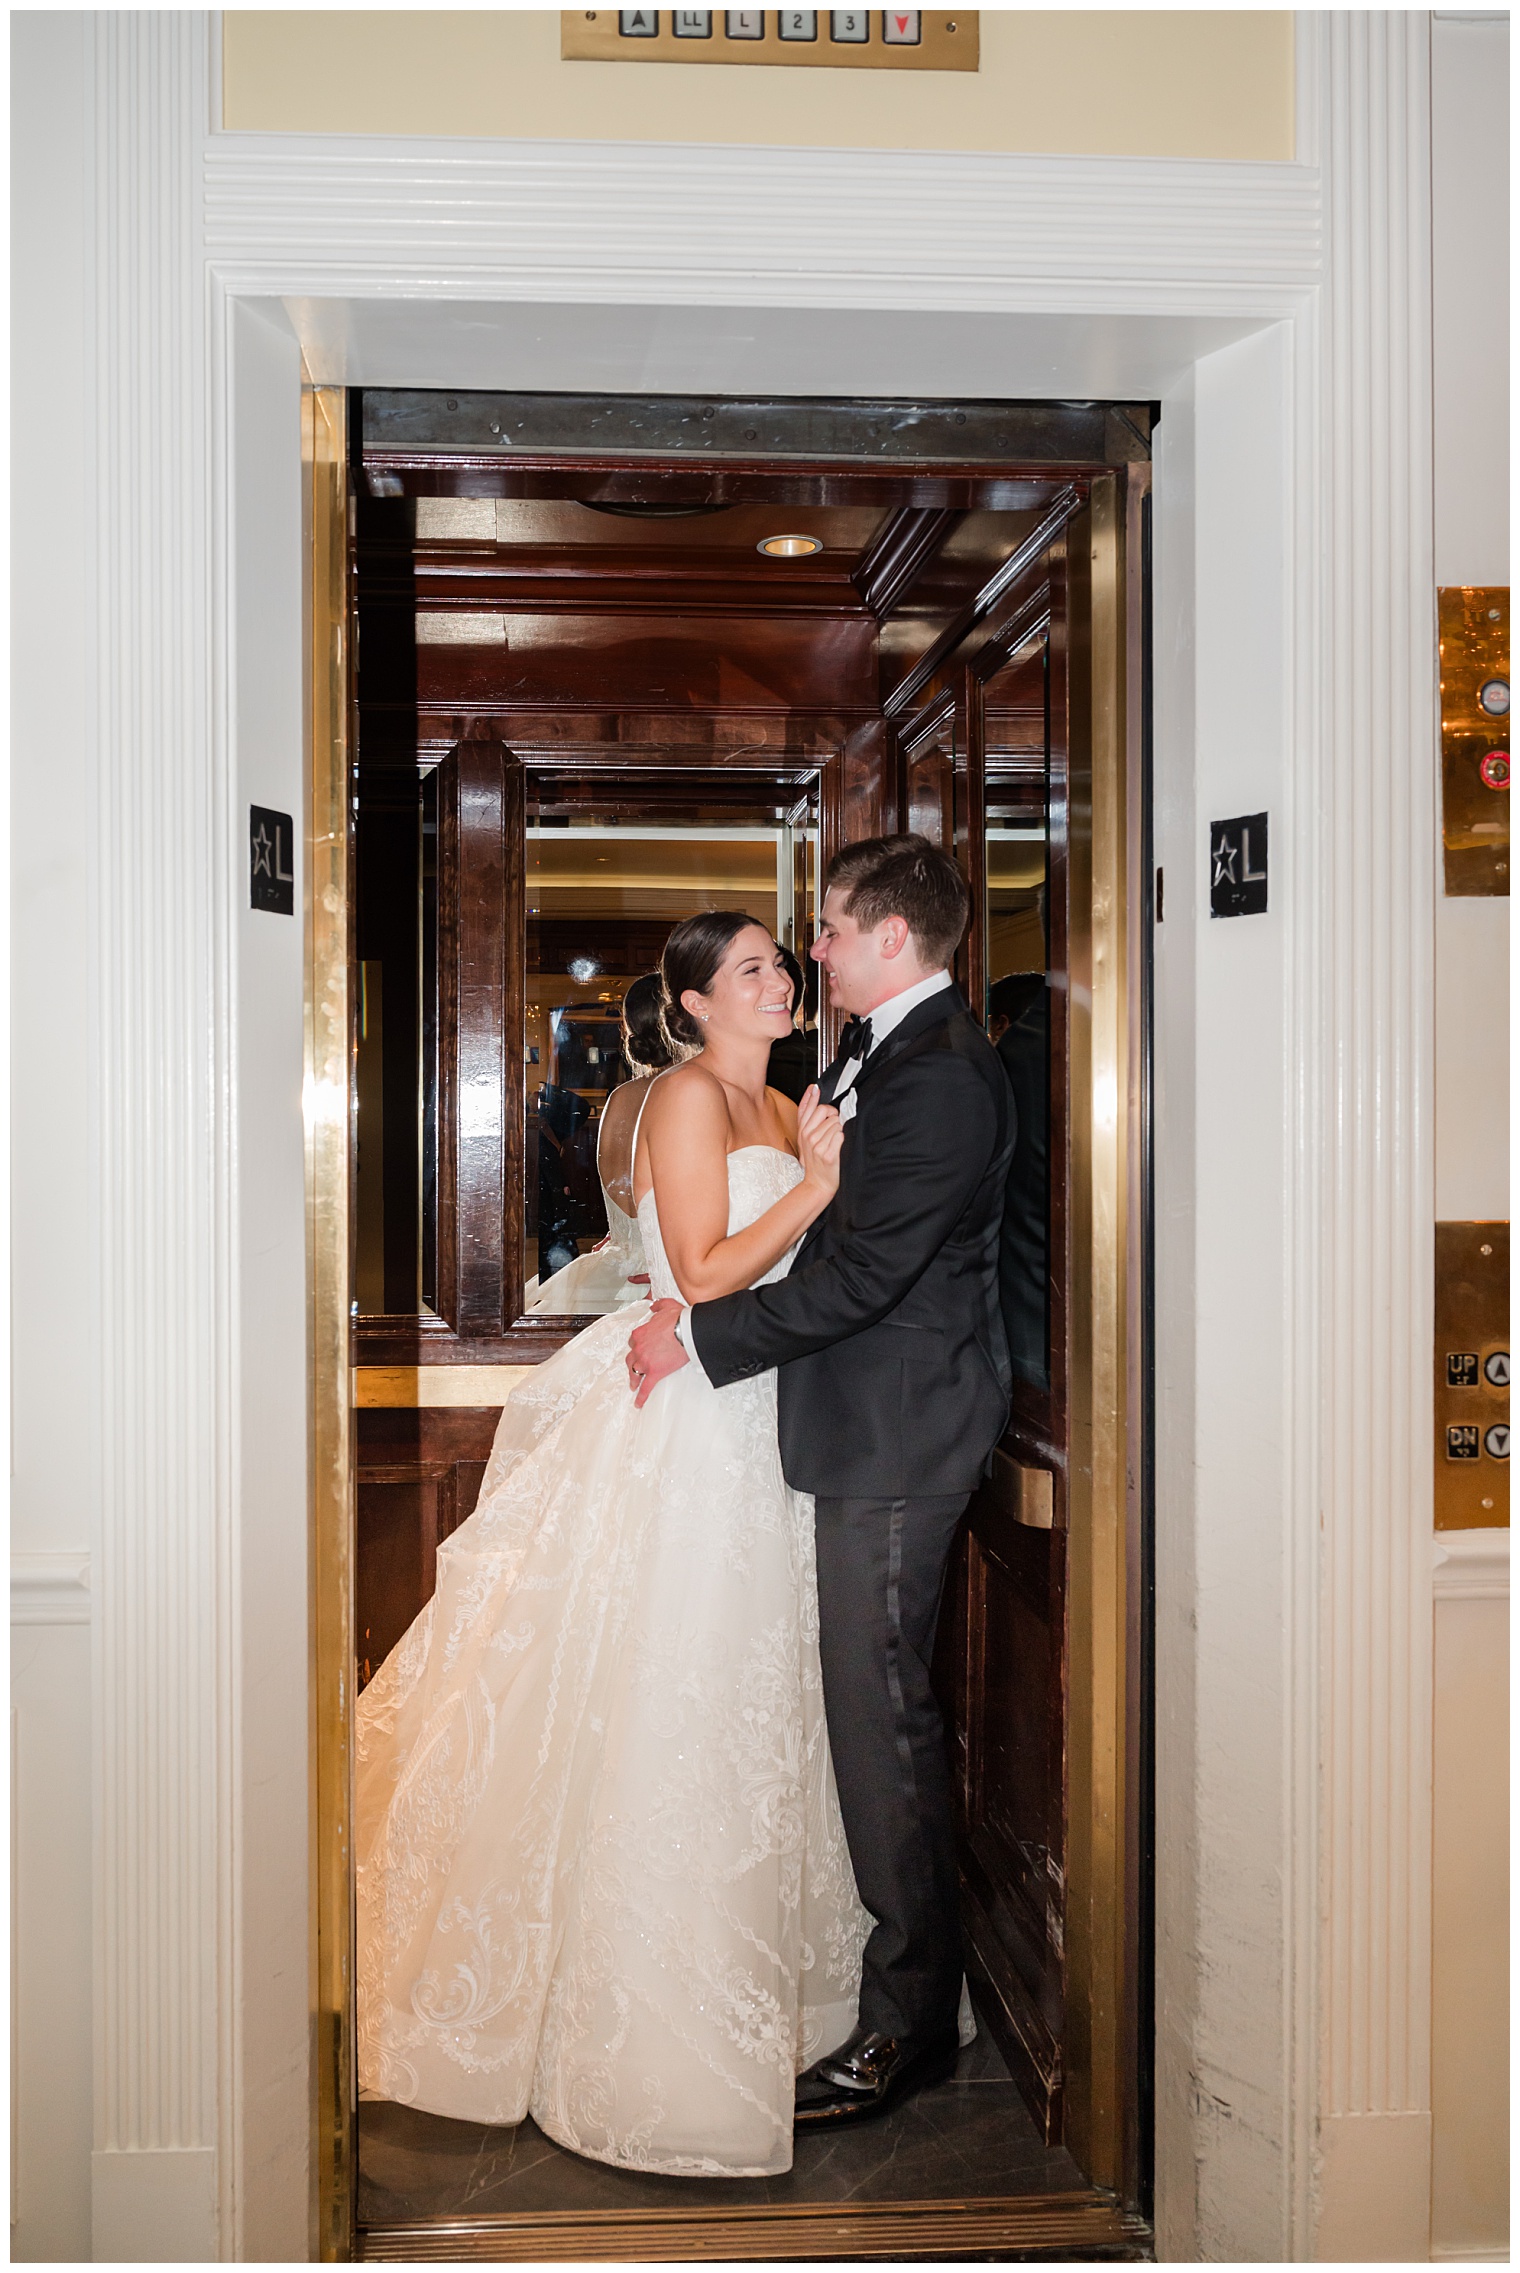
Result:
x=789 y=548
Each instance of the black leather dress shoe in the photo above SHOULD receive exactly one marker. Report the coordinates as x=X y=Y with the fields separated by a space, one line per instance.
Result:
x=868 y=2075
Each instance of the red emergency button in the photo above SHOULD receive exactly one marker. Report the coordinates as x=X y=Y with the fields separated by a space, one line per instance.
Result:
x=1495 y=769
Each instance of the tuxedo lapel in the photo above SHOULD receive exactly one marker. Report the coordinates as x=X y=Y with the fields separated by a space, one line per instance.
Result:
x=919 y=1023
x=833 y=1073
x=829 y=1077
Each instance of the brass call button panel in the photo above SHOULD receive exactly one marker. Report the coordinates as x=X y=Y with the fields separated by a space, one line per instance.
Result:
x=1472 y=1376
x=1474 y=621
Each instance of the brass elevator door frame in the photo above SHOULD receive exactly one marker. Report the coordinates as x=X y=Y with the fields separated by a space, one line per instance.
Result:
x=1105 y=1764
x=1105 y=1336
x=1083 y=1437
x=328 y=1077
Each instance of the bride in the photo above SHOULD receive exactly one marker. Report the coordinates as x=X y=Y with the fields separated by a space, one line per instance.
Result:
x=601 y=1873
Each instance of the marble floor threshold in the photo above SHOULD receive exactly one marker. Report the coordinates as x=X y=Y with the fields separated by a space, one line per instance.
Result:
x=959 y=2164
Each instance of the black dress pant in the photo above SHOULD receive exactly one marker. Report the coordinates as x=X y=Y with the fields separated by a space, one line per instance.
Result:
x=881 y=1572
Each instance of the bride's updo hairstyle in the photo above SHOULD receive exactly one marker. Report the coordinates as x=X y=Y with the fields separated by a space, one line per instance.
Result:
x=645 y=1046
x=693 y=954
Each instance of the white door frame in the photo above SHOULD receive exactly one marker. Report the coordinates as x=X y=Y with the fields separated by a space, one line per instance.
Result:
x=1281 y=316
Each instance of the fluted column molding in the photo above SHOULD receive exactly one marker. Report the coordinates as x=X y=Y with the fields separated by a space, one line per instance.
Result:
x=1375 y=1172
x=159 y=1450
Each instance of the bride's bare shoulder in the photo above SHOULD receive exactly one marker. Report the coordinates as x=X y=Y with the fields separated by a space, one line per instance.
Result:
x=686 y=1098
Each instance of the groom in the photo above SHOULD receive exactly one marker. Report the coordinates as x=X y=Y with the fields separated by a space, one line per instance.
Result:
x=893 y=1390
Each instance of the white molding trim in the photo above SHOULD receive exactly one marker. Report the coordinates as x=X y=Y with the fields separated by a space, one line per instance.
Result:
x=1373 y=1149
x=163 y=1301
x=50 y=1588
x=1470 y=1566
x=627 y=222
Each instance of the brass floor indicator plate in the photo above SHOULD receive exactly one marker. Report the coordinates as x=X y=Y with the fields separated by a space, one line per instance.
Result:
x=848 y=39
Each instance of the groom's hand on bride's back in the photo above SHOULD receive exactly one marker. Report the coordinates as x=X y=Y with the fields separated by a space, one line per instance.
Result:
x=654 y=1349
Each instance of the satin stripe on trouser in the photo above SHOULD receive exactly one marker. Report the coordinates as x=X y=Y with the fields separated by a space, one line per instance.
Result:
x=881 y=1573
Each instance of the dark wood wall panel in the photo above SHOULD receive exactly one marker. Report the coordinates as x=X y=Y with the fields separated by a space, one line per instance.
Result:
x=644 y=662
x=388 y=864
x=726 y=744
x=480 y=970
x=868 y=805
x=700 y=581
x=419 y=1477
x=1010 y=1768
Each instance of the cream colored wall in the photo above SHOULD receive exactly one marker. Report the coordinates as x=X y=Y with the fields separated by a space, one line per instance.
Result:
x=1166 y=83
x=1469 y=2065
x=1469 y=2029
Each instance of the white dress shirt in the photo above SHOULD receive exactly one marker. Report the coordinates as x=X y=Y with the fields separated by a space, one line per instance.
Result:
x=883 y=1020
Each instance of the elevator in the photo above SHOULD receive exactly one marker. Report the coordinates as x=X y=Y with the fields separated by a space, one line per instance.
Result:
x=580 y=666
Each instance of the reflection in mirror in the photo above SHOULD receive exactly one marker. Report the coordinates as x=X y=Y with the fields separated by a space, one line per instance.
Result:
x=428 y=1041
x=392 y=848
x=601 y=901
x=1018 y=995
x=929 y=762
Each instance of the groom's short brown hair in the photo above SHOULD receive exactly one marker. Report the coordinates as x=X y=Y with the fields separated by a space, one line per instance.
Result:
x=908 y=877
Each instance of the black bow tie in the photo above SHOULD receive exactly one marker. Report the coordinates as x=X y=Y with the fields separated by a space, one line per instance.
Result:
x=855 y=1041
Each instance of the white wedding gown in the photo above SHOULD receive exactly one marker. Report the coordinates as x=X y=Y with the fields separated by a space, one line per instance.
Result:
x=601 y=1871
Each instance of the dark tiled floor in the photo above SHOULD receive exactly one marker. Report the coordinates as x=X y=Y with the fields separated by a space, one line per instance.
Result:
x=968 y=2137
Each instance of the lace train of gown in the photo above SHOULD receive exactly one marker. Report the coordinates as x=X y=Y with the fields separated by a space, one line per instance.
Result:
x=601 y=1871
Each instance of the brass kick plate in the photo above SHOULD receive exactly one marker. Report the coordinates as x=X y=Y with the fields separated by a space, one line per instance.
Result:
x=840 y=39
x=1472 y=1376
x=1474 y=620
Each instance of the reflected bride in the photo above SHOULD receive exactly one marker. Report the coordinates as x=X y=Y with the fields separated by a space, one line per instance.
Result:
x=615 y=1272
x=601 y=1871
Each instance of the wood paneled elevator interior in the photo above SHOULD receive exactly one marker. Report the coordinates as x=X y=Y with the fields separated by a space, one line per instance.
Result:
x=616 y=660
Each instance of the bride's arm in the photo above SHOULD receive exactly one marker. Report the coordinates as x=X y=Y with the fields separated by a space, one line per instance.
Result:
x=686 y=1132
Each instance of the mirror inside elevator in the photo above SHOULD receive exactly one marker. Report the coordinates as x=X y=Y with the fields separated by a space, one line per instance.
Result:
x=616 y=664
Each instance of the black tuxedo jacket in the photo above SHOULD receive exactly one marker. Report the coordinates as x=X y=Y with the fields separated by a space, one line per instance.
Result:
x=894 y=1372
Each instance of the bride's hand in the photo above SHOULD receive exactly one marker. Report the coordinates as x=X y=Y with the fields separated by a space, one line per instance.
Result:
x=820 y=1138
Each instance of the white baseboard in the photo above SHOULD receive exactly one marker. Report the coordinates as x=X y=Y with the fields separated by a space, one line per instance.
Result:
x=1374 y=2189
x=50 y=1589
x=1471 y=1566
x=154 y=2206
